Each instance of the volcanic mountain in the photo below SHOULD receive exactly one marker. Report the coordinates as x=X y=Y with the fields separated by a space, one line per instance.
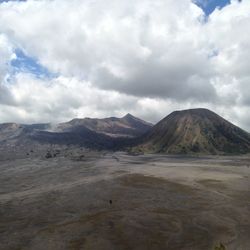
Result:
x=107 y=133
x=127 y=126
x=187 y=131
x=195 y=131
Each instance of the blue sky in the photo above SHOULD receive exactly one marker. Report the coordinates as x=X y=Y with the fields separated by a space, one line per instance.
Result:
x=24 y=63
x=209 y=6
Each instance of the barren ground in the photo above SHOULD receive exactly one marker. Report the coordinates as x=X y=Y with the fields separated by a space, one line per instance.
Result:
x=96 y=200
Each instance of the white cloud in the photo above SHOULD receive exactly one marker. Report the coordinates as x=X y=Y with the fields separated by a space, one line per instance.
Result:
x=6 y=55
x=116 y=47
x=144 y=57
x=60 y=99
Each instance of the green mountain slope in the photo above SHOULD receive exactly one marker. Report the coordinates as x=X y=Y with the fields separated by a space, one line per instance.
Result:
x=195 y=131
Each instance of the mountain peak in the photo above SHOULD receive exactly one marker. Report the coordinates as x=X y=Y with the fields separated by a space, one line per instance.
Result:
x=127 y=126
x=197 y=111
x=196 y=131
x=128 y=115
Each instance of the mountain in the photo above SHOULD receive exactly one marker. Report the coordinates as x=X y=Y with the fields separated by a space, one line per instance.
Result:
x=13 y=133
x=195 y=131
x=127 y=126
x=107 y=133
x=187 y=131
x=81 y=137
x=9 y=130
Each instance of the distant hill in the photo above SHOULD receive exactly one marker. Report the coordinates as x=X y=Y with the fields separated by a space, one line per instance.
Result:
x=181 y=132
x=9 y=130
x=127 y=126
x=107 y=133
x=82 y=137
x=195 y=131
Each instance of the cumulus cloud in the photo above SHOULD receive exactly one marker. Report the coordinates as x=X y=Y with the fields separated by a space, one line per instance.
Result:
x=141 y=56
x=61 y=99
x=138 y=49
x=6 y=54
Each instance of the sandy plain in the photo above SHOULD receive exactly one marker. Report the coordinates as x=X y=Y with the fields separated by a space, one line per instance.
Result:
x=79 y=199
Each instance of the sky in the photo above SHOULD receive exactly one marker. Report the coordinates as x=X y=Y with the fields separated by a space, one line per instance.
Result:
x=208 y=6
x=63 y=59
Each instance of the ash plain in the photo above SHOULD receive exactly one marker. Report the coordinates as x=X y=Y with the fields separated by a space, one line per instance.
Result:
x=74 y=199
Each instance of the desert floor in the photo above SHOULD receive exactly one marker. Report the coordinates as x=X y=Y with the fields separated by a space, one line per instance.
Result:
x=102 y=200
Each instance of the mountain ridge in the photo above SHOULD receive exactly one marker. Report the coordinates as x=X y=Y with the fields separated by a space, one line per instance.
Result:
x=181 y=132
x=195 y=131
x=126 y=126
x=105 y=133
